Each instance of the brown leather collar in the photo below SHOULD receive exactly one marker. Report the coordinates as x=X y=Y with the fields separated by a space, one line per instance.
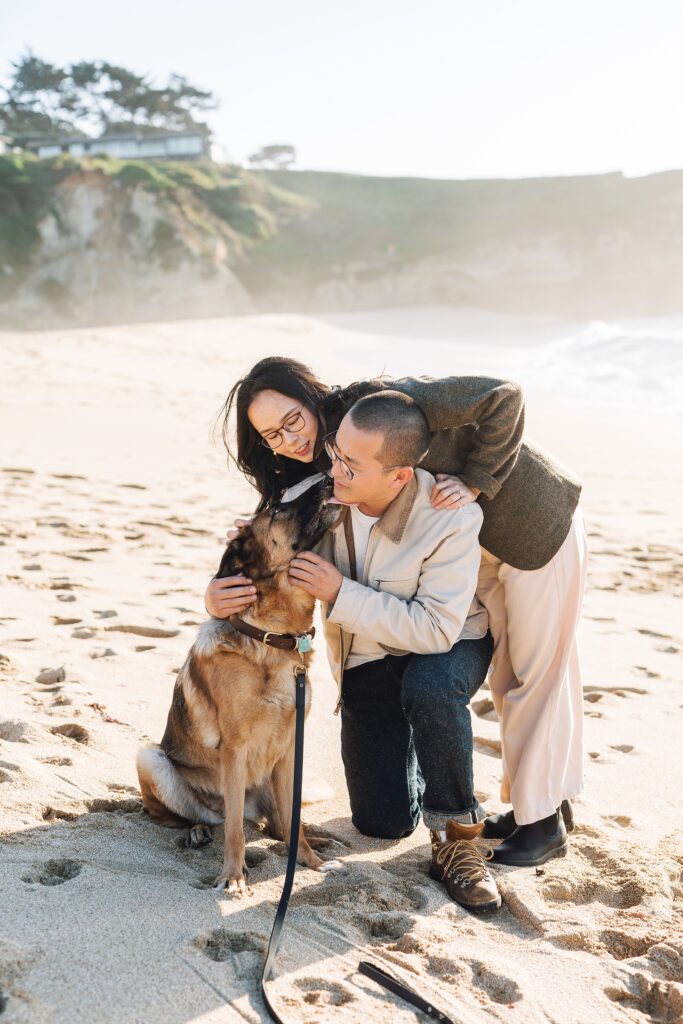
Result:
x=284 y=641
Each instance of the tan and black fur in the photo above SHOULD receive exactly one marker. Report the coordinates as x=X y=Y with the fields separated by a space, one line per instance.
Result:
x=230 y=728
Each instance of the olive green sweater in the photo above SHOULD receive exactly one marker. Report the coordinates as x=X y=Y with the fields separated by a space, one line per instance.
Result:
x=527 y=498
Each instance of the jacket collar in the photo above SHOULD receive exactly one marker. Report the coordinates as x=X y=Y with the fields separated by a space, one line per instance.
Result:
x=393 y=522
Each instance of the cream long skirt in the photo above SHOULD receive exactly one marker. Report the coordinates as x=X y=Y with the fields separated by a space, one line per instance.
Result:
x=535 y=678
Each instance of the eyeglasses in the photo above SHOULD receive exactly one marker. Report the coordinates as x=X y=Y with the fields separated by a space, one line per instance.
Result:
x=294 y=423
x=329 y=442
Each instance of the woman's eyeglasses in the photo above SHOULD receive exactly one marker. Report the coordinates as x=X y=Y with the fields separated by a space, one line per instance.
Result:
x=292 y=425
x=329 y=443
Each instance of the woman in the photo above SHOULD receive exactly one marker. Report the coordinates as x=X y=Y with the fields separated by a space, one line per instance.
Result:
x=533 y=561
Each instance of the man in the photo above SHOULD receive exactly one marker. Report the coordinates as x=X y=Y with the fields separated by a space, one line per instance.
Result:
x=407 y=640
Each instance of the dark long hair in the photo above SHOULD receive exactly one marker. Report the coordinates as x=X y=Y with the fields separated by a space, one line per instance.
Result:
x=270 y=473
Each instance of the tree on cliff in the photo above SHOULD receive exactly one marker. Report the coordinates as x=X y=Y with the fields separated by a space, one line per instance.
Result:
x=90 y=98
x=280 y=157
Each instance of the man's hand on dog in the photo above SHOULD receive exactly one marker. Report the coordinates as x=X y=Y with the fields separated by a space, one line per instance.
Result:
x=316 y=576
x=229 y=596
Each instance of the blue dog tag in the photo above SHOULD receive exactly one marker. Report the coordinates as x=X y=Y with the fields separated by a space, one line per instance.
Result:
x=303 y=644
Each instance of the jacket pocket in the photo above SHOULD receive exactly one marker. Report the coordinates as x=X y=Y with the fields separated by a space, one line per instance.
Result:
x=393 y=650
x=405 y=588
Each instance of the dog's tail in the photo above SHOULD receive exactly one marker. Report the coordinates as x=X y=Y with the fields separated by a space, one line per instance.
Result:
x=166 y=795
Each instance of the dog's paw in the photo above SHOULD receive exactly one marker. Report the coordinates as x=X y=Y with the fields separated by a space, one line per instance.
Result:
x=198 y=836
x=232 y=886
x=333 y=866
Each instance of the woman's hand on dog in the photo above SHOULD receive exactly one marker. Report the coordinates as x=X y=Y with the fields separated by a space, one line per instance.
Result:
x=316 y=576
x=229 y=596
x=451 y=492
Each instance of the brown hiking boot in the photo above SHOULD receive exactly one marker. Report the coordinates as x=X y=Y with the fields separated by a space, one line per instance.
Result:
x=461 y=867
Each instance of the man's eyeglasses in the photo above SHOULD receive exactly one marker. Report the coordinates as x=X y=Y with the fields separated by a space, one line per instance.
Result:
x=294 y=423
x=329 y=443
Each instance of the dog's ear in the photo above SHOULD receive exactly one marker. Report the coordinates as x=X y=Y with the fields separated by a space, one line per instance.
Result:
x=242 y=556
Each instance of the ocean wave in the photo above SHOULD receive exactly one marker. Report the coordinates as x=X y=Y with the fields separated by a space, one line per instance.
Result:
x=645 y=359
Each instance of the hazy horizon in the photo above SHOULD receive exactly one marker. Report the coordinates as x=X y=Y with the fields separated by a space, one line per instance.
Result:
x=446 y=91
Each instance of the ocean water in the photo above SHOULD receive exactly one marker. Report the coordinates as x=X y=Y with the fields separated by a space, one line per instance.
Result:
x=622 y=363
x=631 y=361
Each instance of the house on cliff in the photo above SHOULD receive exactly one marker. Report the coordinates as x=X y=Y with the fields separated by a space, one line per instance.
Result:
x=181 y=145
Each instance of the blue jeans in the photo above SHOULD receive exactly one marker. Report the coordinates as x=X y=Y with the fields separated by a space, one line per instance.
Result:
x=407 y=739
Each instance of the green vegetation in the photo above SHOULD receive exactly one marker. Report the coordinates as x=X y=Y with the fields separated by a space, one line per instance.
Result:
x=368 y=227
x=214 y=201
x=44 y=101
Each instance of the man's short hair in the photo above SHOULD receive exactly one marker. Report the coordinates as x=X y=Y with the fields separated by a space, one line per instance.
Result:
x=400 y=419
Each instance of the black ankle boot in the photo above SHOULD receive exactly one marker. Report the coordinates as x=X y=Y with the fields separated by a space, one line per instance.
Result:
x=530 y=845
x=499 y=826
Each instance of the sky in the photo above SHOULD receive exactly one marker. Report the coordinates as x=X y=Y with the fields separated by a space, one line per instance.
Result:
x=432 y=88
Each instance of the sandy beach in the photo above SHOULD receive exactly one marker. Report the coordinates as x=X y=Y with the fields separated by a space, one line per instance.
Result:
x=114 y=503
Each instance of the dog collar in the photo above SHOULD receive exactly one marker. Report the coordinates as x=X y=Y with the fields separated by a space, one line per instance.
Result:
x=300 y=642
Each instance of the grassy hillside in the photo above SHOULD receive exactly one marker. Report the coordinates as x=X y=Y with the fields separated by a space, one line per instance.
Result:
x=376 y=226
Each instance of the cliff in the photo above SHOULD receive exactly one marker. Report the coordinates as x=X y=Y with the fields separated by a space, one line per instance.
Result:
x=97 y=241
x=101 y=240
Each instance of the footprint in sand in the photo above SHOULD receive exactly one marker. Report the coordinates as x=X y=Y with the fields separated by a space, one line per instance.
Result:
x=498 y=987
x=643 y=670
x=111 y=805
x=62 y=620
x=599 y=877
x=622 y=820
x=83 y=633
x=6 y=770
x=151 y=631
x=321 y=992
x=657 y=1000
x=14 y=730
x=121 y=787
x=73 y=731
x=222 y=944
x=390 y=925
x=66 y=598
x=53 y=872
x=58 y=814
x=589 y=692
x=623 y=748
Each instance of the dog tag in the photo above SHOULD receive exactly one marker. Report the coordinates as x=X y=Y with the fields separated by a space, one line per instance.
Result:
x=303 y=644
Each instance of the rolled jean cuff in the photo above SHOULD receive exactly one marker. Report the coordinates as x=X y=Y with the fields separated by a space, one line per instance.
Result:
x=439 y=819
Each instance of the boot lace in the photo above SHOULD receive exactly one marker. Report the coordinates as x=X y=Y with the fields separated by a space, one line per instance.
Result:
x=460 y=857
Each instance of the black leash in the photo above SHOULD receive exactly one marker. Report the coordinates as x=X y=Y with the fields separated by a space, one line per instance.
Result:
x=274 y=941
x=372 y=971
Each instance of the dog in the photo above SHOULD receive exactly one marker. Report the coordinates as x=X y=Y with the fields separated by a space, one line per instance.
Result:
x=230 y=730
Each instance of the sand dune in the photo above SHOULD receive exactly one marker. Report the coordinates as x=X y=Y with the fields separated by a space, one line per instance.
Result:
x=113 y=509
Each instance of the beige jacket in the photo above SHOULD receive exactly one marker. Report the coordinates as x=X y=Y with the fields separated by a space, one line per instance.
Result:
x=419 y=580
